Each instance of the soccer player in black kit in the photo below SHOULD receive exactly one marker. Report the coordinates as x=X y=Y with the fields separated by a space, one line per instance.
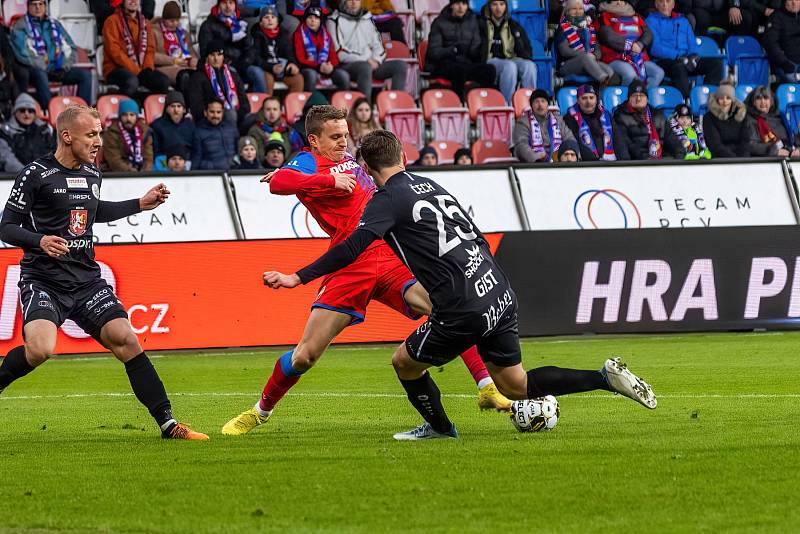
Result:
x=49 y=214
x=473 y=302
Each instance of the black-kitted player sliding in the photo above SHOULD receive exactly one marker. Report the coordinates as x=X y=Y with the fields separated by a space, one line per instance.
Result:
x=49 y=214
x=473 y=302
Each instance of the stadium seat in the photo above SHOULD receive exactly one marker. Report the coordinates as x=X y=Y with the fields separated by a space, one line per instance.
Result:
x=400 y=52
x=708 y=47
x=488 y=109
x=293 y=105
x=743 y=90
x=412 y=153
x=665 y=98
x=533 y=19
x=699 y=98
x=13 y=9
x=82 y=29
x=400 y=115
x=408 y=18
x=545 y=66
x=426 y=11
x=256 y=100
x=787 y=94
x=345 y=99
x=449 y=120
x=422 y=49
x=567 y=96
x=614 y=96
x=198 y=11
x=748 y=60
x=153 y=107
x=522 y=101
x=108 y=107
x=60 y=103
x=491 y=151
x=445 y=150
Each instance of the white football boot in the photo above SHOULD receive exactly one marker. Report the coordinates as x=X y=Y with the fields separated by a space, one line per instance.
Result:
x=622 y=381
x=425 y=431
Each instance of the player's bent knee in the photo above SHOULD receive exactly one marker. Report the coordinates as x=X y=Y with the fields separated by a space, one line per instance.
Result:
x=302 y=360
x=38 y=352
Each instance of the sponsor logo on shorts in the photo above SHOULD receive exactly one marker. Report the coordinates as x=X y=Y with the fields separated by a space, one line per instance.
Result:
x=97 y=298
x=44 y=295
x=77 y=221
x=46 y=304
x=77 y=183
x=321 y=291
x=475 y=259
x=103 y=307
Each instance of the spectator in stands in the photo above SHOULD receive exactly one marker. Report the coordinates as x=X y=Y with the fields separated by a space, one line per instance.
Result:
x=675 y=49
x=271 y=126
x=624 y=39
x=127 y=143
x=316 y=53
x=274 y=55
x=173 y=126
x=24 y=138
x=214 y=140
x=174 y=47
x=505 y=46
x=386 y=20
x=103 y=9
x=299 y=125
x=454 y=48
x=130 y=52
x=568 y=152
x=462 y=156
x=360 y=49
x=176 y=158
x=361 y=121
x=45 y=52
x=226 y=25
x=689 y=133
x=294 y=10
x=737 y=17
x=782 y=41
x=9 y=88
x=428 y=157
x=578 y=51
x=275 y=155
x=641 y=131
x=769 y=136
x=725 y=126
x=215 y=80
x=591 y=124
x=539 y=132
x=247 y=157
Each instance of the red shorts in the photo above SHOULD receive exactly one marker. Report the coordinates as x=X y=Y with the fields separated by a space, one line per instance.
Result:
x=377 y=274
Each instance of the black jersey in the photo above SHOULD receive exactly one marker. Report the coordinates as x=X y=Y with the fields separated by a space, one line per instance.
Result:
x=428 y=229
x=55 y=200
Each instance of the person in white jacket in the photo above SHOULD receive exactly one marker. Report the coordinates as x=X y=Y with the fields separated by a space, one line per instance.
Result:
x=360 y=50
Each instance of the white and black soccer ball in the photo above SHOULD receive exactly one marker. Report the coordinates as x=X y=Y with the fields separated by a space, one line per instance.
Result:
x=535 y=415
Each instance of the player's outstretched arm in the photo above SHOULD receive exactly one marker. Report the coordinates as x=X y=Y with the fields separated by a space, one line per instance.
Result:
x=156 y=196
x=290 y=182
x=111 y=211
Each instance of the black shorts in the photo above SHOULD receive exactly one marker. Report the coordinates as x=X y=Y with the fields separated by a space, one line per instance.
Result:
x=496 y=335
x=90 y=307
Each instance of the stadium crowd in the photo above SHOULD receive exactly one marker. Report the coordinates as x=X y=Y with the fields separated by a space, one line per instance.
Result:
x=459 y=81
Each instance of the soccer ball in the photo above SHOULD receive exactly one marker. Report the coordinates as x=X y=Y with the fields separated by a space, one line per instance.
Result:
x=535 y=415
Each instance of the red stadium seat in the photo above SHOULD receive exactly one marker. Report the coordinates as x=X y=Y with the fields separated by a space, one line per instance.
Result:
x=345 y=99
x=446 y=150
x=409 y=24
x=488 y=109
x=108 y=107
x=426 y=11
x=153 y=107
x=293 y=105
x=422 y=49
x=449 y=120
x=402 y=116
x=397 y=50
x=491 y=151
x=13 y=9
x=59 y=104
x=412 y=153
x=522 y=101
x=256 y=100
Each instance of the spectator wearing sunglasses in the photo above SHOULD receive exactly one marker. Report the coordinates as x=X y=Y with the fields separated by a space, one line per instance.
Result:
x=24 y=137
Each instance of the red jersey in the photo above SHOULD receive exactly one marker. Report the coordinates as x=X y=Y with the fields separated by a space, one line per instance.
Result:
x=308 y=176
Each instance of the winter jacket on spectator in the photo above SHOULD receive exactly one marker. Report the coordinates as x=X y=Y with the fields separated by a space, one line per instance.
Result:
x=318 y=39
x=24 y=44
x=201 y=92
x=524 y=144
x=115 y=155
x=165 y=59
x=355 y=37
x=20 y=145
x=214 y=146
x=8 y=85
x=727 y=134
x=115 y=53
x=782 y=40
x=632 y=136
x=618 y=28
x=166 y=133
x=239 y=53
x=102 y=9
x=515 y=40
x=263 y=133
x=269 y=51
x=595 y=140
x=454 y=40
x=298 y=7
x=672 y=36
x=768 y=134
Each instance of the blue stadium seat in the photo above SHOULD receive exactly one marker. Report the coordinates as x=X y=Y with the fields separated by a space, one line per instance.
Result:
x=664 y=97
x=699 y=98
x=477 y=5
x=534 y=21
x=709 y=48
x=750 y=64
x=567 y=96
x=742 y=90
x=787 y=95
x=545 y=66
x=572 y=79
x=614 y=96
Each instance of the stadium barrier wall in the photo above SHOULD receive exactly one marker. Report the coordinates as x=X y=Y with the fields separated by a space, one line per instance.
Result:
x=655 y=280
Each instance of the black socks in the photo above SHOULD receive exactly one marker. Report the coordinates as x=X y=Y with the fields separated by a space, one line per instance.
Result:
x=148 y=388
x=557 y=381
x=14 y=366
x=425 y=397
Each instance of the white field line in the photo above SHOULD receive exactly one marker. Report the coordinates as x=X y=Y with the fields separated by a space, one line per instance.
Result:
x=254 y=394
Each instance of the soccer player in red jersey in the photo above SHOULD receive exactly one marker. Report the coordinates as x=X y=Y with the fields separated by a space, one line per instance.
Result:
x=335 y=189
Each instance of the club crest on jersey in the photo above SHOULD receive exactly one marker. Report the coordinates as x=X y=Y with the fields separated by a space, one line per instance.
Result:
x=77 y=222
x=77 y=182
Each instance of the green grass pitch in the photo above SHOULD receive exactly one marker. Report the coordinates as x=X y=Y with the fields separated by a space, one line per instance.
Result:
x=720 y=454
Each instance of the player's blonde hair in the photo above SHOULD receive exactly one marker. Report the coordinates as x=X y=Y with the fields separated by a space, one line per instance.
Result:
x=67 y=117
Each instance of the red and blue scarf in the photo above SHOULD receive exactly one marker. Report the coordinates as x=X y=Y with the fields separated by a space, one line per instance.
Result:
x=579 y=38
x=38 y=40
x=226 y=94
x=295 y=139
x=317 y=56
x=133 y=145
x=585 y=134
x=175 y=43
x=233 y=22
x=536 y=140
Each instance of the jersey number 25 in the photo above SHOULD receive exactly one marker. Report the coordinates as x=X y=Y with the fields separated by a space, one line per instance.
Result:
x=449 y=211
